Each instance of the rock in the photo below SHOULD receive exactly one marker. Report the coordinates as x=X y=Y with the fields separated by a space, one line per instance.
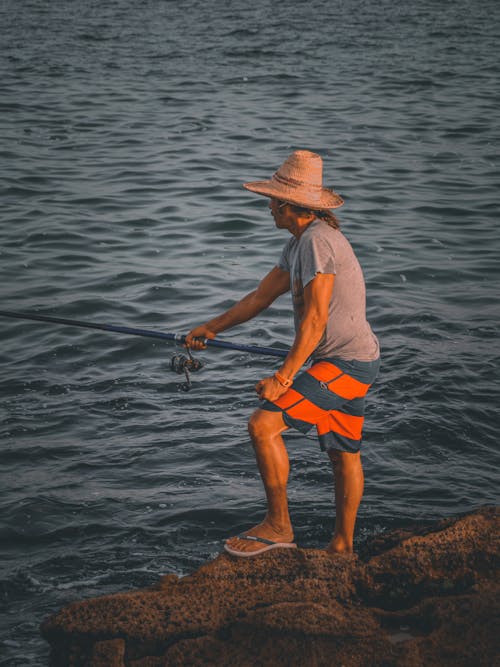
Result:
x=427 y=597
x=448 y=559
x=110 y=653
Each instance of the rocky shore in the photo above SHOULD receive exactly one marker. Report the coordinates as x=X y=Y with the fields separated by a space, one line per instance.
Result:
x=428 y=597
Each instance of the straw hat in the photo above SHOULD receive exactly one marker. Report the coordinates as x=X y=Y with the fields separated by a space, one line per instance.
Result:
x=299 y=181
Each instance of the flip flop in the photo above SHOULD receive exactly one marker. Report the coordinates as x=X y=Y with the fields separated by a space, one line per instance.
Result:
x=268 y=545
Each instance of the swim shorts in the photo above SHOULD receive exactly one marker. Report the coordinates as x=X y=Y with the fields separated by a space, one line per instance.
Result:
x=331 y=396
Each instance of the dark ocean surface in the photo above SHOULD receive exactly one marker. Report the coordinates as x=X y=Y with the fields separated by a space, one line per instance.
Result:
x=126 y=130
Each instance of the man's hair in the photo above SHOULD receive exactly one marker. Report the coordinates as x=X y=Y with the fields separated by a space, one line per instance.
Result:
x=325 y=215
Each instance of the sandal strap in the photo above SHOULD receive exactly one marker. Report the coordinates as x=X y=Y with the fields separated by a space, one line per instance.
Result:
x=254 y=538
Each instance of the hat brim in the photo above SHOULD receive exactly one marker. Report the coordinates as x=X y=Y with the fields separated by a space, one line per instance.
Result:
x=327 y=198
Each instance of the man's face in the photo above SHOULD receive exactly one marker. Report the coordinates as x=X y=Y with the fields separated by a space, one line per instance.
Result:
x=281 y=213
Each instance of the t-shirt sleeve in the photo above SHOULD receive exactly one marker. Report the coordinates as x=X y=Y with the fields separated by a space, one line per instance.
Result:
x=284 y=261
x=317 y=255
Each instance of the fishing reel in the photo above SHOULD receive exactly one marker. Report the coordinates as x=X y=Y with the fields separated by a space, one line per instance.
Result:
x=181 y=364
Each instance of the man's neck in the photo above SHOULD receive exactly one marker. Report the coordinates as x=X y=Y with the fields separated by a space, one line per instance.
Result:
x=299 y=228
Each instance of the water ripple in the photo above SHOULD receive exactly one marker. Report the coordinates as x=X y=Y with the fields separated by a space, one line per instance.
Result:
x=127 y=133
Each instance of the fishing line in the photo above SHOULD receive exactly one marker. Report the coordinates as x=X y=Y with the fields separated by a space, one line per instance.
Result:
x=180 y=363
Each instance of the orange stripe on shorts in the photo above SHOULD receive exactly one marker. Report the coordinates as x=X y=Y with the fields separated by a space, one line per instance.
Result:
x=307 y=412
x=288 y=399
x=337 y=381
x=345 y=425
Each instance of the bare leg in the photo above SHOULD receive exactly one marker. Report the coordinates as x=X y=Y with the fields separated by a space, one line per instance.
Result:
x=265 y=429
x=349 y=483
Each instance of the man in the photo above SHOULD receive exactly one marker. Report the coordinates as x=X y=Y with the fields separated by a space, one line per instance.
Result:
x=318 y=265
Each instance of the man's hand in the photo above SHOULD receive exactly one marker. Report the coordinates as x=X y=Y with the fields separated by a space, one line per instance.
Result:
x=270 y=389
x=195 y=338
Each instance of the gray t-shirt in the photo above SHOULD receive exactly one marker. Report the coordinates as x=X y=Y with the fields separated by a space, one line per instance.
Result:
x=322 y=249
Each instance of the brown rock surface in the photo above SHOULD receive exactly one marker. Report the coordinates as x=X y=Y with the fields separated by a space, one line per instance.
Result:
x=422 y=598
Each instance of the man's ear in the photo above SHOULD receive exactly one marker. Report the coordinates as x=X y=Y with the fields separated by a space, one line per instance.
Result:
x=307 y=216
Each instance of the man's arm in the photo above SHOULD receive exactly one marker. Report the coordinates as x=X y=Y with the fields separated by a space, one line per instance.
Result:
x=317 y=295
x=276 y=282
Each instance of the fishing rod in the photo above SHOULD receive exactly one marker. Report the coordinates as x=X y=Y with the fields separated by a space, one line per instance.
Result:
x=180 y=363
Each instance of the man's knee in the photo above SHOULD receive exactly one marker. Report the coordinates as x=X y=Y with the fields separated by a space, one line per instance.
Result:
x=258 y=424
x=264 y=423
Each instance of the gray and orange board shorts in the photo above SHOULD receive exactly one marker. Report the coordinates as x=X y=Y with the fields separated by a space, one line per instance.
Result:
x=329 y=395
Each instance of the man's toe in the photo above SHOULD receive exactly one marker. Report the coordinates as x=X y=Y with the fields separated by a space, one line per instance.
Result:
x=242 y=545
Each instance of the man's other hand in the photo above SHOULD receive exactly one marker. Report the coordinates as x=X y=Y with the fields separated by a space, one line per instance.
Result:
x=270 y=389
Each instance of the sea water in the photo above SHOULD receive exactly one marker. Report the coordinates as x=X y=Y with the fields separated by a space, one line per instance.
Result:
x=127 y=130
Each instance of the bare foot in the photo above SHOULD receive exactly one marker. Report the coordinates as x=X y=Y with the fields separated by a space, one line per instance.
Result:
x=338 y=547
x=264 y=529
